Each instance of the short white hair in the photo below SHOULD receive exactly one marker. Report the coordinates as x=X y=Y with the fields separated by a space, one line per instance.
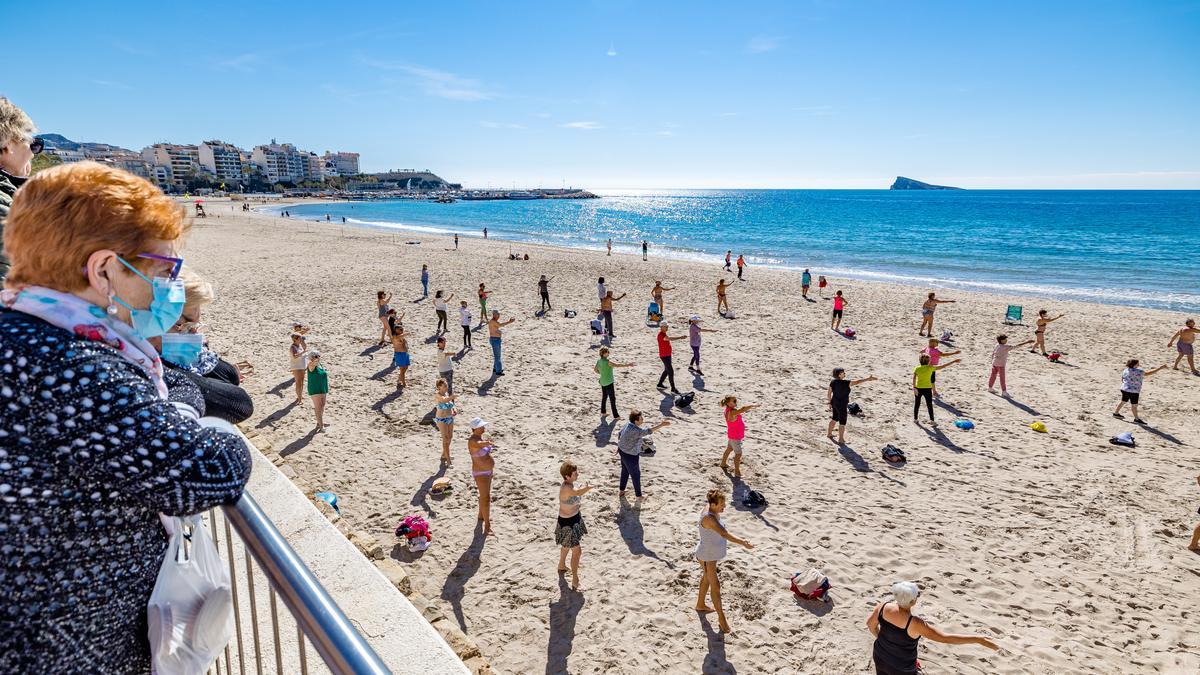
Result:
x=906 y=593
x=15 y=125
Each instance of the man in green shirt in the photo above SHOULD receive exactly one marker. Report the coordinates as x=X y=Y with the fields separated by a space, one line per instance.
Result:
x=608 y=392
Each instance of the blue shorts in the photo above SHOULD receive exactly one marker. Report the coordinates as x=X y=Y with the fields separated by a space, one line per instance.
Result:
x=400 y=359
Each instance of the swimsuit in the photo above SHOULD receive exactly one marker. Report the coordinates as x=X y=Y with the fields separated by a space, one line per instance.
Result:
x=400 y=359
x=895 y=651
x=712 y=546
x=485 y=450
x=448 y=405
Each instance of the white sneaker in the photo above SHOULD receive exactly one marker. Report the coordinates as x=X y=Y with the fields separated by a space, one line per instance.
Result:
x=991 y=391
x=1005 y=394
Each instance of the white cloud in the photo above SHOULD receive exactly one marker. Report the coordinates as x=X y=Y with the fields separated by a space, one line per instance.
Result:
x=245 y=63
x=763 y=43
x=666 y=133
x=581 y=125
x=612 y=50
x=437 y=83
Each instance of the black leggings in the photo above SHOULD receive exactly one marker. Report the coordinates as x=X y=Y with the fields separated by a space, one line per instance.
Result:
x=546 y=302
x=927 y=394
x=442 y=324
x=466 y=336
x=668 y=372
x=608 y=392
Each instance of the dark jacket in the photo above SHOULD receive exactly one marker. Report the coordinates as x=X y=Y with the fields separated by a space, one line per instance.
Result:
x=8 y=187
x=220 y=397
x=89 y=456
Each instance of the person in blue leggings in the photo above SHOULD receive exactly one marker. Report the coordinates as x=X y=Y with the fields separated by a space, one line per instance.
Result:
x=494 y=337
x=629 y=449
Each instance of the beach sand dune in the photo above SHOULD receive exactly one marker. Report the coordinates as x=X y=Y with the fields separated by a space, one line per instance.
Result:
x=1067 y=550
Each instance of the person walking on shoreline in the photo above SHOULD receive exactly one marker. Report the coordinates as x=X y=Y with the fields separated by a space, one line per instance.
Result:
x=927 y=308
x=440 y=307
x=483 y=466
x=485 y=233
x=722 y=301
x=645 y=249
x=318 y=387
x=455 y=241
x=837 y=397
x=382 y=299
x=424 y=281
x=664 y=353
x=839 y=305
x=1184 y=341
x=298 y=363
x=805 y=282
x=464 y=320
x=741 y=265
x=728 y=261
x=1039 y=333
x=694 y=331
x=494 y=337
x=735 y=433
x=569 y=532
x=544 y=291
x=711 y=549
x=629 y=450
x=608 y=388
x=443 y=416
x=922 y=385
x=606 y=308
x=821 y=284
x=1131 y=388
x=610 y=246
x=1000 y=362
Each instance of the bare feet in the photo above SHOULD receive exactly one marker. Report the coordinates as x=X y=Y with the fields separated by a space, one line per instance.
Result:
x=562 y=570
x=724 y=626
x=575 y=585
x=724 y=466
x=704 y=609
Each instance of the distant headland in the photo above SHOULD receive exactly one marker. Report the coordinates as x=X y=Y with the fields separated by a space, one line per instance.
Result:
x=903 y=183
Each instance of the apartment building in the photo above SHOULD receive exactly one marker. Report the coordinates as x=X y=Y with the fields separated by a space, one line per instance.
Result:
x=183 y=160
x=341 y=163
x=283 y=162
x=221 y=160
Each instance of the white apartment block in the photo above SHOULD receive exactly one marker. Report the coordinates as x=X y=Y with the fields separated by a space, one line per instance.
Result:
x=221 y=160
x=181 y=159
x=341 y=163
x=282 y=162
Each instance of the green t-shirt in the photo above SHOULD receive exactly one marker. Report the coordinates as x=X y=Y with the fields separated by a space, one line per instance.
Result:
x=606 y=372
x=924 y=376
x=318 y=381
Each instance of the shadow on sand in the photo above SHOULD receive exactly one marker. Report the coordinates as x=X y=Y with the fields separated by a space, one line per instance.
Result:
x=562 y=626
x=466 y=567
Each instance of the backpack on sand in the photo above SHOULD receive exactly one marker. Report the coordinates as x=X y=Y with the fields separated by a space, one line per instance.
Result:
x=685 y=400
x=893 y=454
x=811 y=585
x=754 y=499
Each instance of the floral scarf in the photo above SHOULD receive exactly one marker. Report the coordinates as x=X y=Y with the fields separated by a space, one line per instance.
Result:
x=90 y=322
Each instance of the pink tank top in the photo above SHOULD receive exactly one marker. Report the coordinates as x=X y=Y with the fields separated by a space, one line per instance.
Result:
x=735 y=430
x=837 y=302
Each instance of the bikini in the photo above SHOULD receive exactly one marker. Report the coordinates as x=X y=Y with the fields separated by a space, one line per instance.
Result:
x=448 y=405
x=485 y=450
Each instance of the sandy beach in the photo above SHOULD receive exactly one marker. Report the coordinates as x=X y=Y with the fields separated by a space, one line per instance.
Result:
x=1066 y=550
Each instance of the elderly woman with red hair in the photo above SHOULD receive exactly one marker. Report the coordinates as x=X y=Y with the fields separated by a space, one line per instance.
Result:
x=93 y=445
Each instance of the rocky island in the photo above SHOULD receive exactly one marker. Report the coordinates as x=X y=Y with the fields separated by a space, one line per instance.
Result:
x=903 y=183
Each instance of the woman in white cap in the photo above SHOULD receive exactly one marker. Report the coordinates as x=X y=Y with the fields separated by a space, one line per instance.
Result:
x=694 y=331
x=482 y=466
x=897 y=632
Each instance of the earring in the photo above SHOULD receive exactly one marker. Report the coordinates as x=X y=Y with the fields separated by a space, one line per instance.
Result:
x=112 y=308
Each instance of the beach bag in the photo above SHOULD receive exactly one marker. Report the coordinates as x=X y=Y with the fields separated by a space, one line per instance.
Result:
x=965 y=425
x=854 y=409
x=189 y=612
x=850 y=332
x=947 y=336
x=893 y=454
x=647 y=447
x=413 y=527
x=328 y=498
x=569 y=313
x=1125 y=439
x=685 y=400
x=811 y=585
x=1054 y=357
x=418 y=544
x=754 y=500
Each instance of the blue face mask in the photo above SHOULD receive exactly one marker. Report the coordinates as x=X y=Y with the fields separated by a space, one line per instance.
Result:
x=182 y=349
x=165 y=309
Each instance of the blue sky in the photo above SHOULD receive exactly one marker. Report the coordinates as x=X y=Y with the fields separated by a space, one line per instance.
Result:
x=610 y=94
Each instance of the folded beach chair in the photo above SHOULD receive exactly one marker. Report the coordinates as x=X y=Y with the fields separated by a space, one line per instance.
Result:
x=1013 y=315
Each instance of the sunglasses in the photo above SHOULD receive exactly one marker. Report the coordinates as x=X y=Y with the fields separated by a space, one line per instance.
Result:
x=37 y=145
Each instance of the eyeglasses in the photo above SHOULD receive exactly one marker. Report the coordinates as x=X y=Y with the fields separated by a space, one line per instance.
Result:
x=176 y=262
x=37 y=145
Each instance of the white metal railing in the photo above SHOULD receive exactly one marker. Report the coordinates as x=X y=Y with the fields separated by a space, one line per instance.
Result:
x=263 y=567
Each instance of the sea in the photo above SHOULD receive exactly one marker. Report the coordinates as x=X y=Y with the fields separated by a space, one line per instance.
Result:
x=1138 y=248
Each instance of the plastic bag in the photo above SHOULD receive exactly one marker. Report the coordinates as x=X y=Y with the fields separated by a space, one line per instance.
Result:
x=191 y=605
